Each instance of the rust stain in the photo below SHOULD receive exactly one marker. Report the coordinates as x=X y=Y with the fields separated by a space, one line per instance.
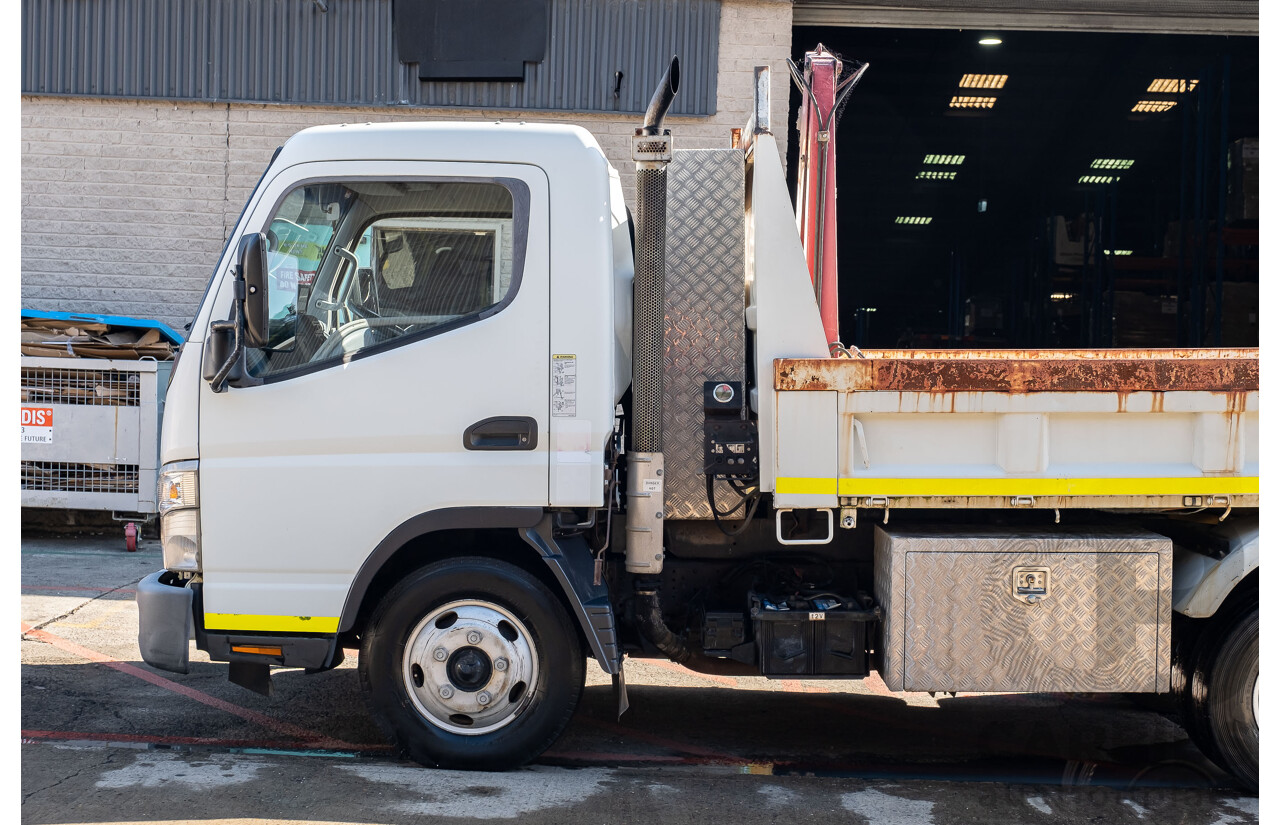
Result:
x=1122 y=400
x=1022 y=371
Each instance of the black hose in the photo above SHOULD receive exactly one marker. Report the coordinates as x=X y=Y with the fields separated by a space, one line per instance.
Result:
x=654 y=628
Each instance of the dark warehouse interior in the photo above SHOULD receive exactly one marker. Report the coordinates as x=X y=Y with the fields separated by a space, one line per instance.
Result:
x=1052 y=190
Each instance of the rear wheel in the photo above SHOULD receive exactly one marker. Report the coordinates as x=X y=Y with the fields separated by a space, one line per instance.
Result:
x=472 y=663
x=1221 y=704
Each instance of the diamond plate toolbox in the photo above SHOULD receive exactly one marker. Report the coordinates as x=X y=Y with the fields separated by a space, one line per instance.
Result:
x=705 y=335
x=1072 y=610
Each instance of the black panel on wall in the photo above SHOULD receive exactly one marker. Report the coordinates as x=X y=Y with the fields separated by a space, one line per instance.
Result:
x=470 y=39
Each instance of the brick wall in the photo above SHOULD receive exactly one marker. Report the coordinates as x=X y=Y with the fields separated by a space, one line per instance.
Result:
x=126 y=204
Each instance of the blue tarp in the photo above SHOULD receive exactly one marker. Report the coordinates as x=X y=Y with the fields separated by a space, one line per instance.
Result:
x=122 y=321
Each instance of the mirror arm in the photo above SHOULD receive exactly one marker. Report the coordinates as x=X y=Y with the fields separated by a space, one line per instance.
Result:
x=234 y=324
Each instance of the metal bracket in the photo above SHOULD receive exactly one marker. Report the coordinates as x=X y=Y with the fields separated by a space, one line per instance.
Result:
x=831 y=528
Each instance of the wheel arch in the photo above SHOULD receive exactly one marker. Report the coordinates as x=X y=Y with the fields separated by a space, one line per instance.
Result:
x=1202 y=584
x=409 y=545
x=517 y=535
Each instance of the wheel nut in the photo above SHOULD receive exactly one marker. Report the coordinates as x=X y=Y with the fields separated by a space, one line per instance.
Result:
x=473 y=637
x=483 y=697
x=500 y=664
x=440 y=655
x=445 y=691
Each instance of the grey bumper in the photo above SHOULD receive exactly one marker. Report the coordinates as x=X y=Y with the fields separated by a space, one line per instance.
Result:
x=165 y=622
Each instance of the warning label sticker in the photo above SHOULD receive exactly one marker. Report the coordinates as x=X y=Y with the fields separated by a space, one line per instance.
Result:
x=564 y=386
x=37 y=425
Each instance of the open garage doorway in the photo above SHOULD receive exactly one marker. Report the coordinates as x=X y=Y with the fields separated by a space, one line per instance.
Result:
x=1051 y=189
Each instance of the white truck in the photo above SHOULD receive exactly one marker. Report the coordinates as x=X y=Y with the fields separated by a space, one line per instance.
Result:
x=447 y=403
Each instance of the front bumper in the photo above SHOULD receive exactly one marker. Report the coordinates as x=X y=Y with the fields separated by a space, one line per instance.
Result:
x=166 y=622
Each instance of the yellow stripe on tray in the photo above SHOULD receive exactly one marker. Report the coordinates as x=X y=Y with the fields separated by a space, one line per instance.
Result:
x=1194 y=486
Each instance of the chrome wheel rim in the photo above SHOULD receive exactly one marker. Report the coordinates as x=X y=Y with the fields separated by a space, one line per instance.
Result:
x=470 y=667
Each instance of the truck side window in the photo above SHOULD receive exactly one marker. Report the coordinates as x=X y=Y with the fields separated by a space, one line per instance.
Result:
x=362 y=266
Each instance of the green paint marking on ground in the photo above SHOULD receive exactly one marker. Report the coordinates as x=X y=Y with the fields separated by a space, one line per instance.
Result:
x=279 y=752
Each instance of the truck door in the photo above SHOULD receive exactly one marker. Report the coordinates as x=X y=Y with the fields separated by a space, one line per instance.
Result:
x=408 y=372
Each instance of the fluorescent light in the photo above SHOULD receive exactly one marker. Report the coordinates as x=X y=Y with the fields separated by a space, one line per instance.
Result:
x=968 y=102
x=1172 y=85
x=913 y=220
x=1111 y=163
x=935 y=174
x=983 y=81
x=1154 y=105
x=1120 y=252
x=1098 y=178
x=990 y=41
x=1062 y=296
x=944 y=160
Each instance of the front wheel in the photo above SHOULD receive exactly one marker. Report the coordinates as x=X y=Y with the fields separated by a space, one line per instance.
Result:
x=1222 y=695
x=473 y=664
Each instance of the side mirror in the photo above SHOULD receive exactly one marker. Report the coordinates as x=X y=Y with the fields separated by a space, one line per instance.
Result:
x=253 y=271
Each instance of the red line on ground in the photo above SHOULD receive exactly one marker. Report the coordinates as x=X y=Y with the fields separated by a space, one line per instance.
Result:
x=596 y=756
x=208 y=741
x=313 y=738
x=728 y=681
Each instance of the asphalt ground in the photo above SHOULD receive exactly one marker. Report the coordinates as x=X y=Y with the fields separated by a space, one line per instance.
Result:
x=107 y=739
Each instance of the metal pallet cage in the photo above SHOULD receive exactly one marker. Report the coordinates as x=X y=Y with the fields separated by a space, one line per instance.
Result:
x=90 y=433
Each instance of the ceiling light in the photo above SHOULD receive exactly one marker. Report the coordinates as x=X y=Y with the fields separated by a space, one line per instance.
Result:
x=1062 y=296
x=935 y=174
x=1111 y=163
x=1172 y=85
x=983 y=81
x=945 y=160
x=1098 y=179
x=1154 y=105
x=1120 y=252
x=990 y=41
x=968 y=102
x=913 y=220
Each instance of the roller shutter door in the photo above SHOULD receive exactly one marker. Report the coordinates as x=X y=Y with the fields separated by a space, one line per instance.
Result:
x=1222 y=17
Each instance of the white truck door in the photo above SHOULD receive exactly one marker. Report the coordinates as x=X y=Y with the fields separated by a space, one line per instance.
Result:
x=409 y=312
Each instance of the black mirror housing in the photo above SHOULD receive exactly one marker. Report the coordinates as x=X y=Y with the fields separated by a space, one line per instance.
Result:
x=253 y=271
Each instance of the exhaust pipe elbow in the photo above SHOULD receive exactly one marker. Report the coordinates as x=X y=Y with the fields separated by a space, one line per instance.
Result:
x=661 y=100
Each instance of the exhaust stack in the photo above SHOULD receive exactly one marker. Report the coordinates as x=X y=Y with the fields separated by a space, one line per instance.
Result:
x=651 y=150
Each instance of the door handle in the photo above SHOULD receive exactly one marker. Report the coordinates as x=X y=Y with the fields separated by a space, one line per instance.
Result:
x=504 y=432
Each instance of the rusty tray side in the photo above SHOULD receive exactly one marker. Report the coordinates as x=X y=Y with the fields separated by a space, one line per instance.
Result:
x=1025 y=371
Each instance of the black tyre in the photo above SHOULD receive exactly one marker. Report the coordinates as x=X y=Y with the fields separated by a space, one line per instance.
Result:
x=1221 y=695
x=471 y=664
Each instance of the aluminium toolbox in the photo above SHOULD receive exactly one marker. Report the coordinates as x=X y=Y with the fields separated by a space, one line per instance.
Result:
x=995 y=609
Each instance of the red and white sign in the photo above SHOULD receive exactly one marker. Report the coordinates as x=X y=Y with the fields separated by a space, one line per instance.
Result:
x=37 y=425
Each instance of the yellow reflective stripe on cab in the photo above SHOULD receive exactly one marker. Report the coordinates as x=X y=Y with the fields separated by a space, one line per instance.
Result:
x=1200 y=485
x=271 y=624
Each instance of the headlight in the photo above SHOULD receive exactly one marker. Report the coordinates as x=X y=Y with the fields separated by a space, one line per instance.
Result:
x=178 y=500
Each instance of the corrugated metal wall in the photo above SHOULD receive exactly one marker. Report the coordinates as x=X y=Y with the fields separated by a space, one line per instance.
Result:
x=289 y=51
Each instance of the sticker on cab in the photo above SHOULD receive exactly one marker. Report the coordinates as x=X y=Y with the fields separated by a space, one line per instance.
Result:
x=37 y=425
